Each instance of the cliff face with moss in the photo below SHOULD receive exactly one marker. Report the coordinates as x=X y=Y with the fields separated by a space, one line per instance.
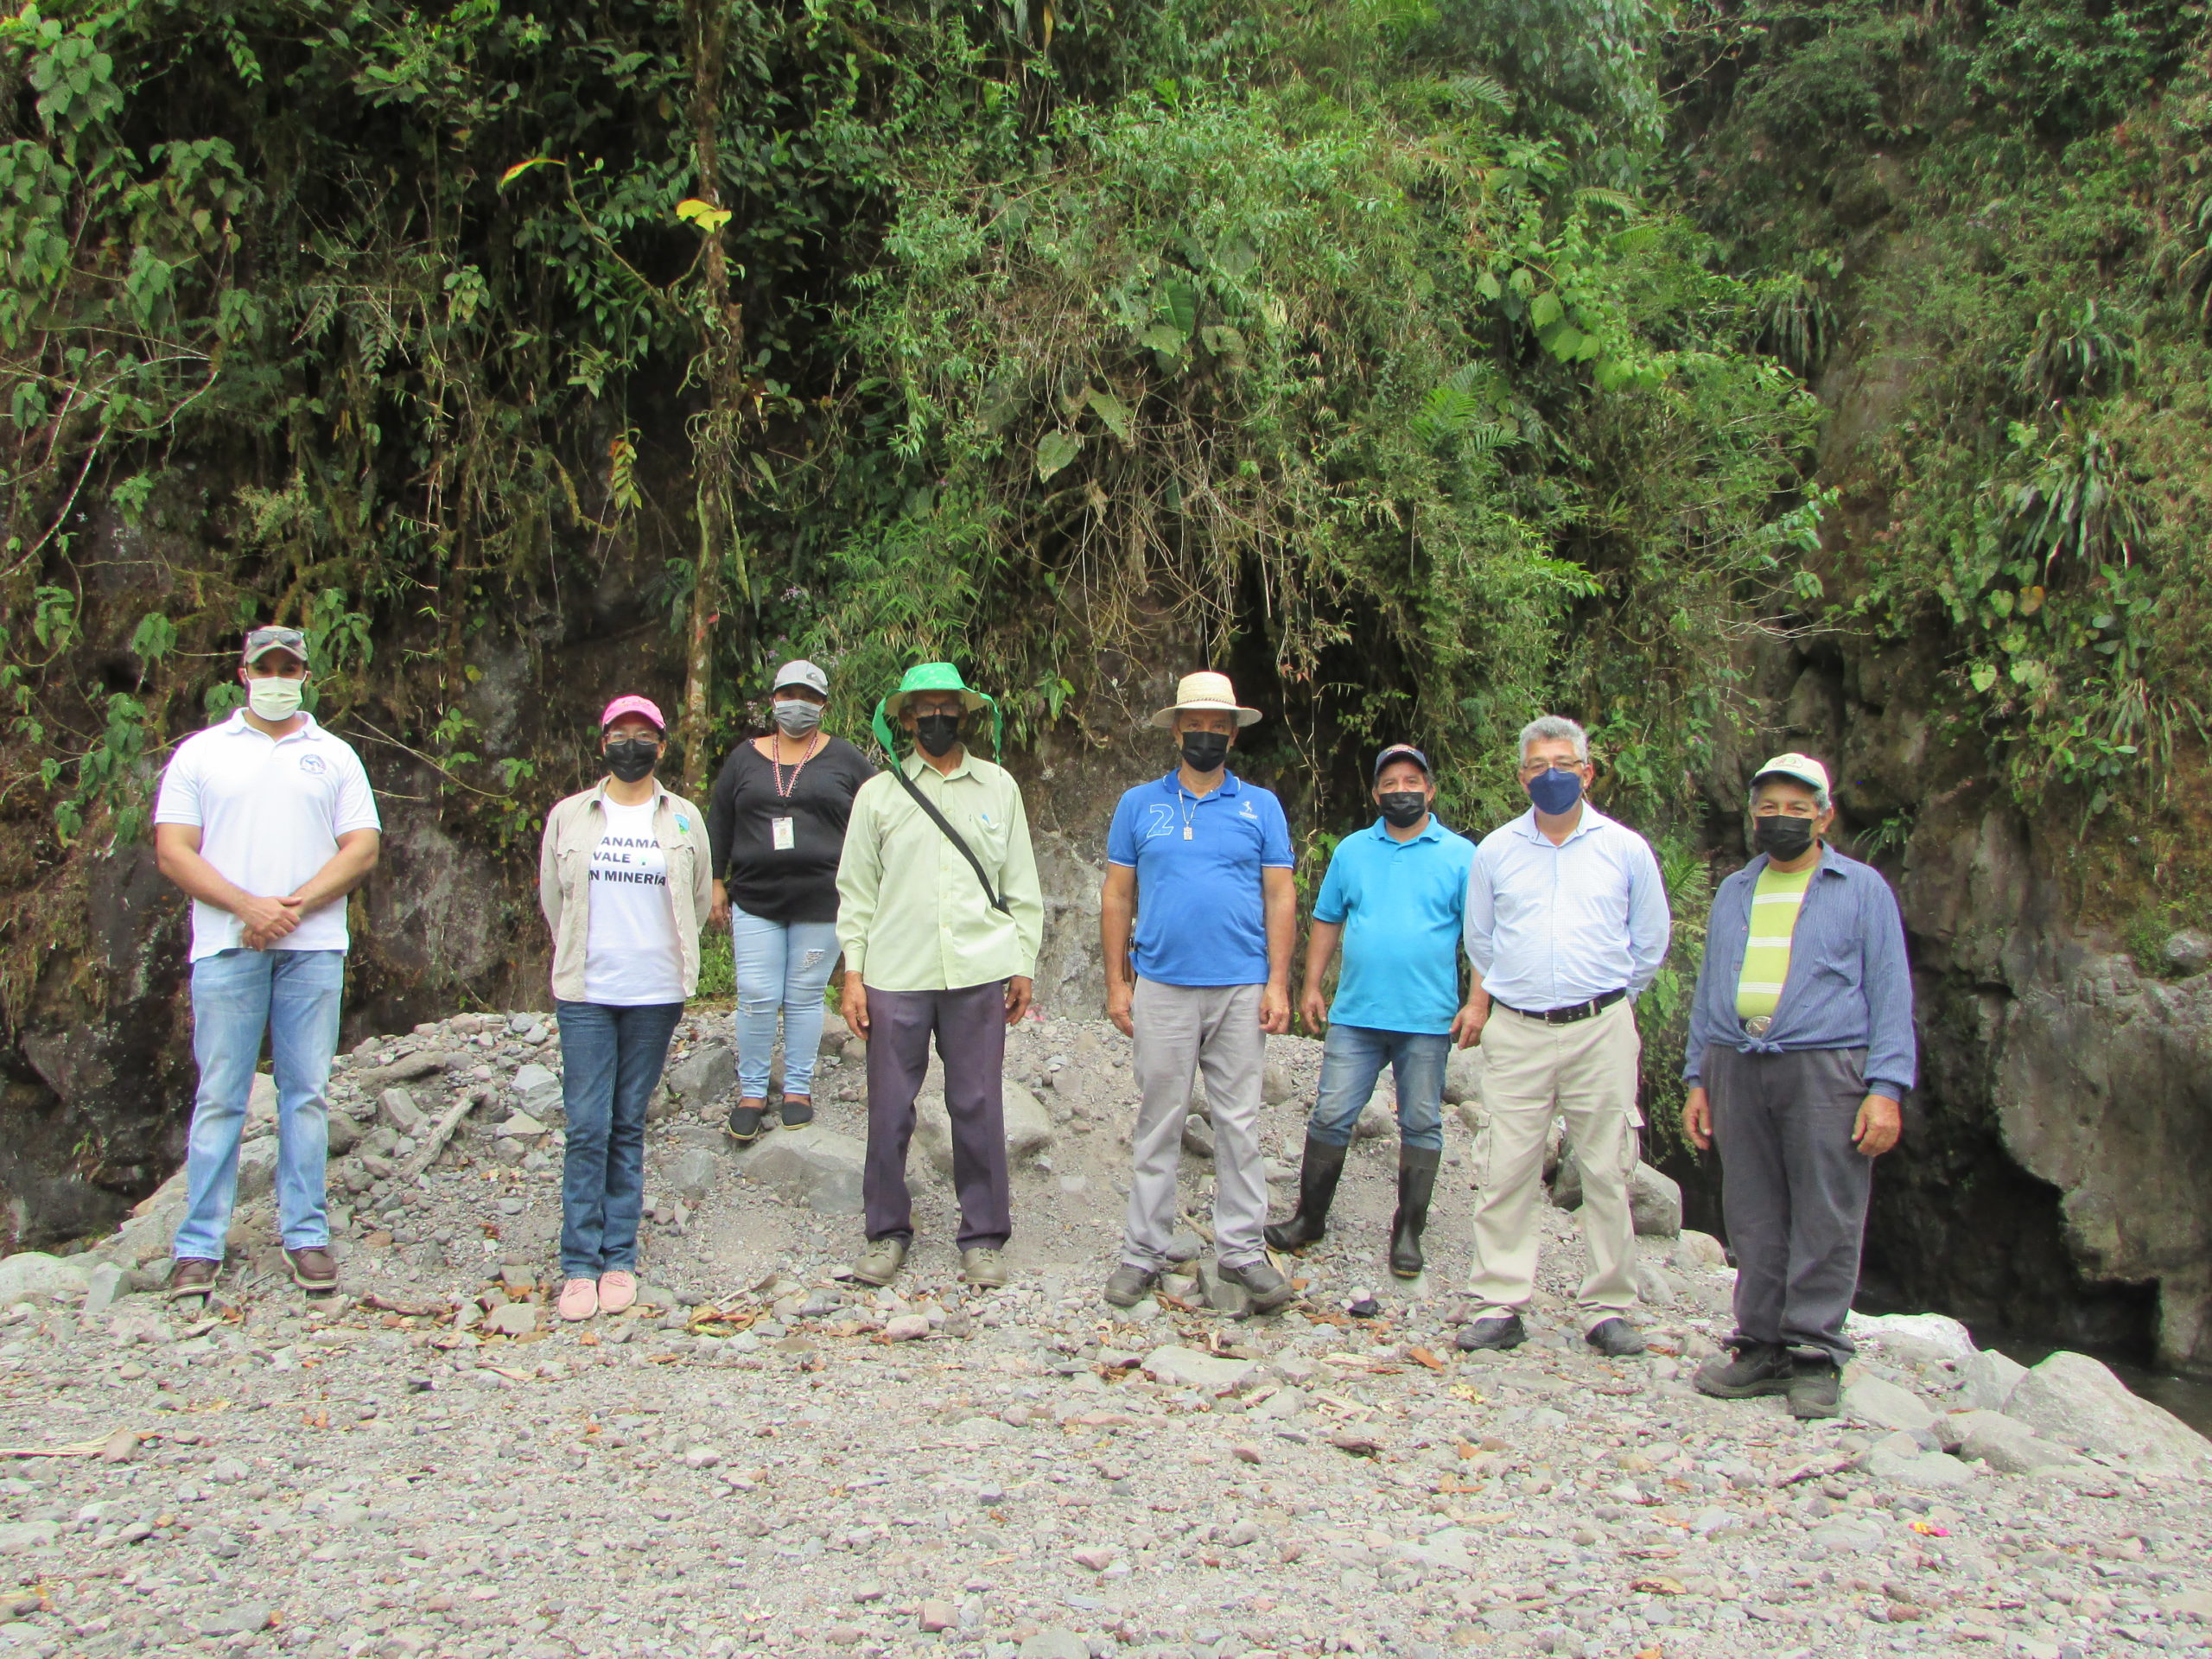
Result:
x=1828 y=374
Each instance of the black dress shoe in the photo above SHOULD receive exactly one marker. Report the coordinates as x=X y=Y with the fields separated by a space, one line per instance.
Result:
x=1501 y=1332
x=1616 y=1338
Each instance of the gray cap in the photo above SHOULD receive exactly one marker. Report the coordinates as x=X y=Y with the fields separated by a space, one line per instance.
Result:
x=804 y=673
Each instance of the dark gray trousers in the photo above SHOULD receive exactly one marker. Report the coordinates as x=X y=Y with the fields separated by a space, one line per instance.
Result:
x=1793 y=1188
x=970 y=1026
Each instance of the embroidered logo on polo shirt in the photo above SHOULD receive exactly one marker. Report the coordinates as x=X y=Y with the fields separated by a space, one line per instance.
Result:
x=312 y=764
x=1248 y=811
x=1163 y=820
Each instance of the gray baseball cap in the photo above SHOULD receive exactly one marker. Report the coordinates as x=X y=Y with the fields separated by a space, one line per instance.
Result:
x=804 y=673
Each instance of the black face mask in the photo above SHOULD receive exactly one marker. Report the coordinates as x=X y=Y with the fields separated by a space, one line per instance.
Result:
x=632 y=758
x=1403 y=808
x=1204 y=751
x=936 y=734
x=1783 y=838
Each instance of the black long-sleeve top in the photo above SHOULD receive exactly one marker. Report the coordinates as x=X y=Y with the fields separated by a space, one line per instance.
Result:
x=797 y=883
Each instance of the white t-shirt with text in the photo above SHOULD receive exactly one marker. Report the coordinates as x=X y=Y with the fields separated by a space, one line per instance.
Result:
x=632 y=958
x=270 y=811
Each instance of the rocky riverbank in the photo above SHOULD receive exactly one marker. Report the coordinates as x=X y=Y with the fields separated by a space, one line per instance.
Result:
x=762 y=1457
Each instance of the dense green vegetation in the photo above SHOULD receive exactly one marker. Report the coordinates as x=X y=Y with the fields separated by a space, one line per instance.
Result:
x=1998 y=215
x=1426 y=364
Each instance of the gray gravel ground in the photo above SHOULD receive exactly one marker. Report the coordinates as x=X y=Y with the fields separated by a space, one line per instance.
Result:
x=763 y=1460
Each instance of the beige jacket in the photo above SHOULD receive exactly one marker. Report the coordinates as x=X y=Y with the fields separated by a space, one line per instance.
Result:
x=573 y=829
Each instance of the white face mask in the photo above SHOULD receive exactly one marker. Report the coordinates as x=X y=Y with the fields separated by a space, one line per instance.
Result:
x=274 y=698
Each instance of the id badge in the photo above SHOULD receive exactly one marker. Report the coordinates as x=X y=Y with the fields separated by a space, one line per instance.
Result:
x=780 y=835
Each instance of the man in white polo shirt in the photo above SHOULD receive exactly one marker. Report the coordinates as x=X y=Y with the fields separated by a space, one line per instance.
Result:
x=267 y=821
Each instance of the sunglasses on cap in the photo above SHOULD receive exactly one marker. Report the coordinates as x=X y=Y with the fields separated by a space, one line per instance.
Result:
x=262 y=641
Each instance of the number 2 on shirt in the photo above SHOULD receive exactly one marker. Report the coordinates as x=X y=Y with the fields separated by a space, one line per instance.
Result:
x=780 y=835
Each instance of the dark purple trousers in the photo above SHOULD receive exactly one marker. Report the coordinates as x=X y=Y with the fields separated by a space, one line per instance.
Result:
x=969 y=1027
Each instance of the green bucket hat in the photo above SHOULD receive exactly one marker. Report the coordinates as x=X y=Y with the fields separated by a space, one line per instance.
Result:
x=934 y=676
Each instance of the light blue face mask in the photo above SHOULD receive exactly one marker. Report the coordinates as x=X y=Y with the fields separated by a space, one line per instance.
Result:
x=1555 y=791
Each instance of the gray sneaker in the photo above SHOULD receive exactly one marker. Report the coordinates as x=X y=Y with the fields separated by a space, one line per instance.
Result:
x=1129 y=1284
x=881 y=1263
x=983 y=1268
x=1269 y=1289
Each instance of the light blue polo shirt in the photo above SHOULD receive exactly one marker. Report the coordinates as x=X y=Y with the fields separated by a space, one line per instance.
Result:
x=1402 y=904
x=1200 y=920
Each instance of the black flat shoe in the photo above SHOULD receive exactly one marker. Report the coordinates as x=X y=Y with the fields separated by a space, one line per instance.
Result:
x=744 y=1122
x=1502 y=1331
x=1616 y=1338
x=796 y=1111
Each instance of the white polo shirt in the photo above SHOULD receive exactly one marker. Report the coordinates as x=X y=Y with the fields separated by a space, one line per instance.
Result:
x=270 y=811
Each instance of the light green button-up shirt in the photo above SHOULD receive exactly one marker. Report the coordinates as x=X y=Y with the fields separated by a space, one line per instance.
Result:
x=911 y=915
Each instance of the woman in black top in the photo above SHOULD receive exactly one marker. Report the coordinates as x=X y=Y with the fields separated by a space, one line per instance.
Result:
x=776 y=822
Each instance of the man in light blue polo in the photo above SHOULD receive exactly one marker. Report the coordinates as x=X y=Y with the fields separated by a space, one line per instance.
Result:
x=1396 y=897
x=1198 y=916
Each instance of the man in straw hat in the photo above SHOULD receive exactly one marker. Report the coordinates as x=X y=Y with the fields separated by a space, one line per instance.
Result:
x=939 y=915
x=1210 y=956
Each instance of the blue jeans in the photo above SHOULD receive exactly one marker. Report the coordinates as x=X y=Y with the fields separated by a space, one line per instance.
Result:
x=611 y=1060
x=779 y=965
x=237 y=995
x=1352 y=1057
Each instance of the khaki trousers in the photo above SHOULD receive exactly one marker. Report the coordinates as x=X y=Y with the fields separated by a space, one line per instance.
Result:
x=1586 y=1072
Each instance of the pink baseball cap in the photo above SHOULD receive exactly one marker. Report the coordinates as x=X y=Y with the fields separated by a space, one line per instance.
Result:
x=622 y=706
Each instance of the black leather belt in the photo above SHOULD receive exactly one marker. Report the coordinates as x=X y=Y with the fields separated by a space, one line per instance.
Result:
x=1596 y=1004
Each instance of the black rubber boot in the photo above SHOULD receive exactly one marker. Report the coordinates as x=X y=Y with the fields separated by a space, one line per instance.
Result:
x=1416 y=1183
x=1317 y=1190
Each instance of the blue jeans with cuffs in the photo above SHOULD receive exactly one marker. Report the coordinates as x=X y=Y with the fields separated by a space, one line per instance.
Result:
x=1352 y=1057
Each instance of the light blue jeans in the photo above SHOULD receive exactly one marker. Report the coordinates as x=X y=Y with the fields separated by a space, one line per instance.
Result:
x=1352 y=1057
x=236 y=996
x=780 y=965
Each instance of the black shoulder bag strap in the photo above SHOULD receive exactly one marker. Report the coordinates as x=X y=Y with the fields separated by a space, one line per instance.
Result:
x=951 y=835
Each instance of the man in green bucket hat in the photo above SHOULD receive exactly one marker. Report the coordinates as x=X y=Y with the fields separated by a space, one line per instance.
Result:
x=939 y=915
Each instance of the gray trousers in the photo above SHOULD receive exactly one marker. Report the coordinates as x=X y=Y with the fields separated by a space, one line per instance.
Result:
x=1214 y=1029
x=970 y=1026
x=1793 y=1188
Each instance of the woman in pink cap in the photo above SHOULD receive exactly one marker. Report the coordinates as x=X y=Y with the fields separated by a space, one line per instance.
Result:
x=626 y=880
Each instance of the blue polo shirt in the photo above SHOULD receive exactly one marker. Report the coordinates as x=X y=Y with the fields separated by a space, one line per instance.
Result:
x=1402 y=904
x=1200 y=920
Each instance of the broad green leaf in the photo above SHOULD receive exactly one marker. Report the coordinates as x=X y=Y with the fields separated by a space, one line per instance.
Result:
x=1119 y=417
x=707 y=217
x=1180 y=302
x=1543 y=310
x=1163 y=340
x=1054 y=451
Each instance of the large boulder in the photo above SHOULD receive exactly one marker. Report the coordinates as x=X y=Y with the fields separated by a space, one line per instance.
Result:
x=1655 y=1198
x=812 y=1166
x=2072 y=1399
x=1917 y=1339
x=35 y=1273
x=1987 y=1379
x=1463 y=1076
x=1028 y=1126
x=705 y=1076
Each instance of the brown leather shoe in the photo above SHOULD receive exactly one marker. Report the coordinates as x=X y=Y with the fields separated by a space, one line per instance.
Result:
x=314 y=1268
x=192 y=1277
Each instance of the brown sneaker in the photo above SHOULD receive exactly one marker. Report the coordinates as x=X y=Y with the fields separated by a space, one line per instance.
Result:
x=314 y=1268
x=192 y=1277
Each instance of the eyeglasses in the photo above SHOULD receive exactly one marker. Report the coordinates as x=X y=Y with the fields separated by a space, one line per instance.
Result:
x=1531 y=768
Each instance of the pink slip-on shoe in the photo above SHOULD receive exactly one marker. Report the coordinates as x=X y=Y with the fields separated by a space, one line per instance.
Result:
x=617 y=1290
x=579 y=1300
